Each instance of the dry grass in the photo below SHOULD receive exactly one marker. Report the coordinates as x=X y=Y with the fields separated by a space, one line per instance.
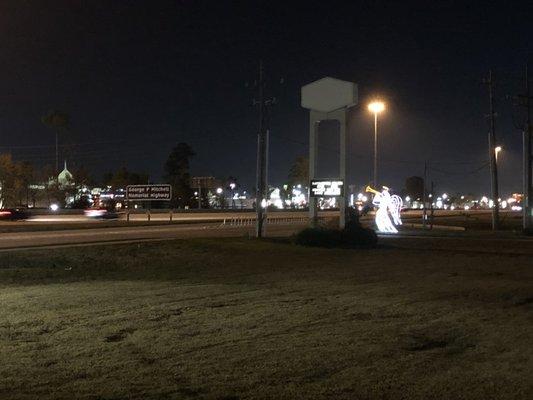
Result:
x=238 y=319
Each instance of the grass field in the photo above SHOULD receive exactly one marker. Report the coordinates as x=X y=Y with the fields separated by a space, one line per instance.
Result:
x=241 y=319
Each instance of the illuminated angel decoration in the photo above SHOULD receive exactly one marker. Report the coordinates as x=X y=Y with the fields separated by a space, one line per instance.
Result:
x=389 y=208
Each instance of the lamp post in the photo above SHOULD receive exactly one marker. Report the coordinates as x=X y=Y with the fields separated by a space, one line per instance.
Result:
x=376 y=107
x=220 y=197
x=232 y=186
x=497 y=149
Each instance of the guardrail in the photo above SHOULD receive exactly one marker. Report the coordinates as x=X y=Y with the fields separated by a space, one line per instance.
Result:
x=234 y=220
x=249 y=221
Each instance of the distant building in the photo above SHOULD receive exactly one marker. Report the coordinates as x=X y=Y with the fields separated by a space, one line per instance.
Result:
x=65 y=178
x=209 y=183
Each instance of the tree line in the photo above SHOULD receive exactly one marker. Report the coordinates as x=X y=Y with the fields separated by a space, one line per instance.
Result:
x=23 y=184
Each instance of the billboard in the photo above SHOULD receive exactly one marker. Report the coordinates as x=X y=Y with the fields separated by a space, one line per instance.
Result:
x=329 y=94
x=149 y=192
x=326 y=188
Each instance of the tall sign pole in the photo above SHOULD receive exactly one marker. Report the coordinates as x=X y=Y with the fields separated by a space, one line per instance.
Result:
x=342 y=166
x=314 y=122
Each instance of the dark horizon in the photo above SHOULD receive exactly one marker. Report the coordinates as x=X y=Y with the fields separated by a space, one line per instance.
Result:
x=138 y=78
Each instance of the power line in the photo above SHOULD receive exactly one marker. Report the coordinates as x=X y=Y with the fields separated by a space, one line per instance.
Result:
x=366 y=157
x=42 y=146
x=482 y=167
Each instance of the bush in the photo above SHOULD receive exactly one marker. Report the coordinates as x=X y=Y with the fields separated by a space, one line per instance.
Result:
x=355 y=233
x=353 y=236
x=319 y=237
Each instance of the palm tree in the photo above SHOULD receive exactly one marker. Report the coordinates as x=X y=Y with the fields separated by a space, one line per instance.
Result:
x=58 y=121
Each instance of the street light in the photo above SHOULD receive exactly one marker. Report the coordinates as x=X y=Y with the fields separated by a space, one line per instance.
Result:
x=232 y=186
x=376 y=107
x=497 y=149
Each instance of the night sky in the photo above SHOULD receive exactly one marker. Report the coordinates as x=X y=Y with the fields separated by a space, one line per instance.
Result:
x=137 y=77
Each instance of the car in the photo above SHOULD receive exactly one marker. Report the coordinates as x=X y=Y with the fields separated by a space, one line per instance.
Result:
x=100 y=213
x=13 y=214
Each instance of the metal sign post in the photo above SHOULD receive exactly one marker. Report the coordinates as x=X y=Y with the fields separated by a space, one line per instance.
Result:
x=326 y=188
x=149 y=192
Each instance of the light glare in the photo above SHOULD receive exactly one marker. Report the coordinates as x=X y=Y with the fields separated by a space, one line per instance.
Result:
x=376 y=107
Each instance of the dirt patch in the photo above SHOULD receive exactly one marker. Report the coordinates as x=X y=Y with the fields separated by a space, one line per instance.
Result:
x=119 y=336
x=523 y=301
x=424 y=343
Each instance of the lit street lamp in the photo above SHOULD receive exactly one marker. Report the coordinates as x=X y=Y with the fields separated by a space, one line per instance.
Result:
x=376 y=107
x=497 y=149
x=219 y=197
x=232 y=186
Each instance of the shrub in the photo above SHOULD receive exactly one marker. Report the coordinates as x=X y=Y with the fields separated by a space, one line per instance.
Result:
x=319 y=237
x=355 y=233
x=353 y=236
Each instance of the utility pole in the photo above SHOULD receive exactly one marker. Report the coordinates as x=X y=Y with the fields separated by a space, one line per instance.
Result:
x=262 y=149
x=524 y=100
x=492 y=157
x=528 y=191
x=199 y=194
x=432 y=210
x=424 y=196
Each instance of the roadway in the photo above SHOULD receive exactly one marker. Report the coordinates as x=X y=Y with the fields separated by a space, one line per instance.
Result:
x=167 y=216
x=411 y=216
x=67 y=230
x=69 y=237
x=458 y=220
x=505 y=242
x=407 y=240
